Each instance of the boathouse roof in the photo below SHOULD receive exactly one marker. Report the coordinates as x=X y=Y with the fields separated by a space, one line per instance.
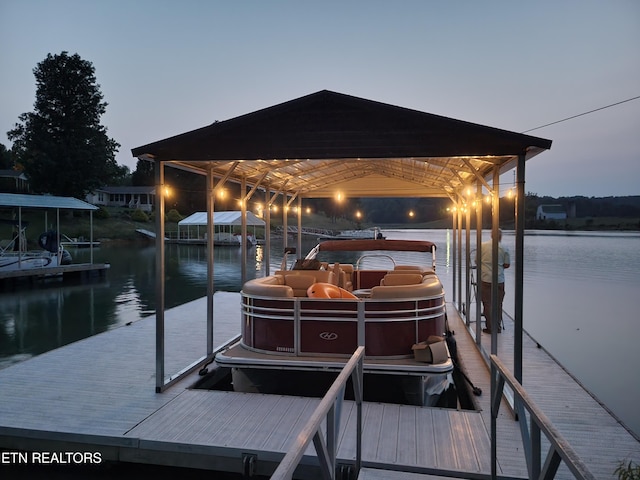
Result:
x=222 y=218
x=325 y=142
x=43 y=201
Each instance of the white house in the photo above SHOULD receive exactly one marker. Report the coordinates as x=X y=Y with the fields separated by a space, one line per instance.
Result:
x=551 y=212
x=13 y=181
x=136 y=198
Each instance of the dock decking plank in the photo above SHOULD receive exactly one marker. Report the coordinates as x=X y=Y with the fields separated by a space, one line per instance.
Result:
x=389 y=434
x=464 y=443
x=446 y=449
x=426 y=437
x=407 y=454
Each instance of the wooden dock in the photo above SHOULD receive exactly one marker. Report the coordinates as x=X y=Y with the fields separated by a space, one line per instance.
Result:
x=98 y=395
x=73 y=269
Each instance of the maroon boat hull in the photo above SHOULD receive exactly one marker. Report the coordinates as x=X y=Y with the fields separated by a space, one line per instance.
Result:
x=330 y=327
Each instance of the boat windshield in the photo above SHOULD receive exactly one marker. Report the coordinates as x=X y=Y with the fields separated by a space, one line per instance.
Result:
x=375 y=254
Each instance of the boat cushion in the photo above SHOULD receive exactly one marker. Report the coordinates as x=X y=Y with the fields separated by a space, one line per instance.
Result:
x=412 y=268
x=271 y=286
x=401 y=279
x=320 y=275
x=299 y=283
x=430 y=286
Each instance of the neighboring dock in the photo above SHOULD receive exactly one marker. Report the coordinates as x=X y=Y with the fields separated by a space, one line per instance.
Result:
x=98 y=395
x=74 y=269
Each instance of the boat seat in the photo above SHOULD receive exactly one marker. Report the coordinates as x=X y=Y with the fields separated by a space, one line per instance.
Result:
x=429 y=287
x=411 y=268
x=271 y=286
x=299 y=283
x=324 y=276
x=343 y=279
x=347 y=268
x=396 y=278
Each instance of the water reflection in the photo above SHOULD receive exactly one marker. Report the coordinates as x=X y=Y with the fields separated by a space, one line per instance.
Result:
x=34 y=321
x=38 y=318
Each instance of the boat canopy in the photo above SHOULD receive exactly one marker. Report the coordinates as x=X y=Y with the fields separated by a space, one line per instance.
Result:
x=43 y=201
x=327 y=142
x=358 y=245
x=221 y=218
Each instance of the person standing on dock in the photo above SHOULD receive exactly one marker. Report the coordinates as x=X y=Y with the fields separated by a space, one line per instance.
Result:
x=504 y=261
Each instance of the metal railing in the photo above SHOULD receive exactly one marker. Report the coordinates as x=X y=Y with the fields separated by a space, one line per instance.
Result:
x=329 y=408
x=559 y=449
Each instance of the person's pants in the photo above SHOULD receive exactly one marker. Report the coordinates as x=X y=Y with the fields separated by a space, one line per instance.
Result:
x=486 y=303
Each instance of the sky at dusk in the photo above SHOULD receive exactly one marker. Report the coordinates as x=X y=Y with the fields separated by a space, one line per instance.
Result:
x=167 y=67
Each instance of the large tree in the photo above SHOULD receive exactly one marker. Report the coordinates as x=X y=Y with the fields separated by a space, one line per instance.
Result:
x=6 y=163
x=63 y=147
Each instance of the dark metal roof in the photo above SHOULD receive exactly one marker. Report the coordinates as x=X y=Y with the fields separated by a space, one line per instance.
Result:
x=297 y=143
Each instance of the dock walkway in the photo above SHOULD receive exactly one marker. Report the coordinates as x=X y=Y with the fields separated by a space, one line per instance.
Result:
x=98 y=394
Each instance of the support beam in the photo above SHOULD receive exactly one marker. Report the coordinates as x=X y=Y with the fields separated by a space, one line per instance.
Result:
x=243 y=231
x=211 y=198
x=299 y=226
x=479 y=220
x=519 y=270
x=226 y=176
x=467 y=270
x=267 y=231
x=459 y=251
x=479 y=177
x=257 y=184
x=454 y=217
x=160 y=188
x=495 y=228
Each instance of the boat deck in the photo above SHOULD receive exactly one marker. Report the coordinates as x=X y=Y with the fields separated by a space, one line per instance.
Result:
x=98 y=394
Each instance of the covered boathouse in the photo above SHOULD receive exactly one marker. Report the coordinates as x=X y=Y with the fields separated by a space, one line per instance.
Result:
x=142 y=406
x=327 y=142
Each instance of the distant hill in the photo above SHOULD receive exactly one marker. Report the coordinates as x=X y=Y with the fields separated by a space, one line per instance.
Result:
x=623 y=207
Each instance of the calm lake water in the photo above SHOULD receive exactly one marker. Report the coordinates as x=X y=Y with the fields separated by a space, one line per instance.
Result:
x=580 y=292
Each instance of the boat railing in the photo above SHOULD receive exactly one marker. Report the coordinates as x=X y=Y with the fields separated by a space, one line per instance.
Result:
x=559 y=449
x=328 y=410
x=374 y=255
x=302 y=314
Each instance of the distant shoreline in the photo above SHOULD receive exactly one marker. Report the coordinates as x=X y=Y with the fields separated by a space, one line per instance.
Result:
x=119 y=227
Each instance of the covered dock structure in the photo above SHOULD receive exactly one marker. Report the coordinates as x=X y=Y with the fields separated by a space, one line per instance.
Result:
x=328 y=144
x=18 y=204
x=152 y=412
x=193 y=228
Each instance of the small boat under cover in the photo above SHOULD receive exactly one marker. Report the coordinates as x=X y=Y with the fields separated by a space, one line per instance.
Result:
x=306 y=322
x=14 y=255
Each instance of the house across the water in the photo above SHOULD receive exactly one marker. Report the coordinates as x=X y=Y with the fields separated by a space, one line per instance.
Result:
x=138 y=198
x=13 y=181
x=551 y=212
